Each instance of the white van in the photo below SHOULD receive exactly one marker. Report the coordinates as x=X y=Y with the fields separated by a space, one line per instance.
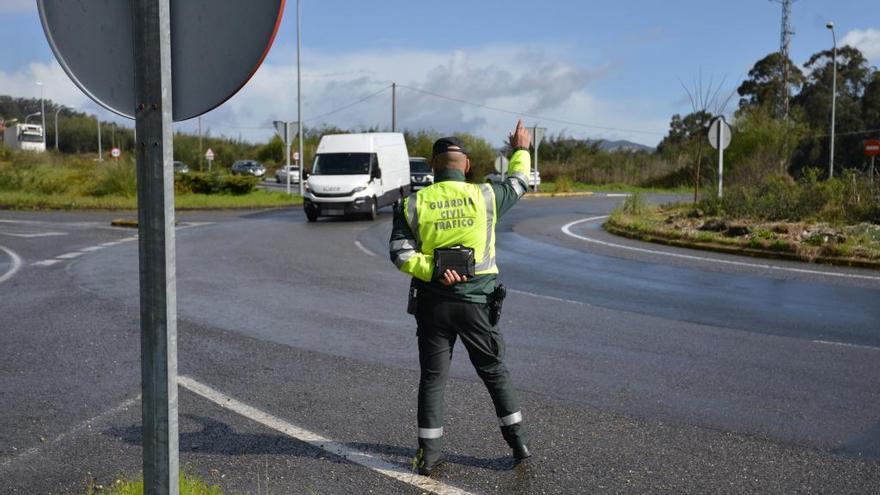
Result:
x=357 y=174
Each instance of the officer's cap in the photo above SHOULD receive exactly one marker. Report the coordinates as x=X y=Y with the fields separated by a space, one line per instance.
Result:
x=449 y=145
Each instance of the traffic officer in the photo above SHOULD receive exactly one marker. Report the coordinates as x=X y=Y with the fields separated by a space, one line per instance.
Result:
x=455 y=218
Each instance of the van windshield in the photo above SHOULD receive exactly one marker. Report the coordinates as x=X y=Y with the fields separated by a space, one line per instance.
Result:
x=419 y=167
x=343 y=163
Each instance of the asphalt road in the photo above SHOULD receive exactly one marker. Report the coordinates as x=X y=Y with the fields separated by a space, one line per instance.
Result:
x=642 y=367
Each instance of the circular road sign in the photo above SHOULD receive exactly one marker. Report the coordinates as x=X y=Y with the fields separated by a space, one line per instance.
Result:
x=872 y=147
x=713 y=133
x=296 y=156
x=216 y=46
x=209 y=155
x=115 y=153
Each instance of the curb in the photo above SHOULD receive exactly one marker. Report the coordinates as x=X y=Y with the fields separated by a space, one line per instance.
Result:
x=735 y=250
x=558 y=195
x=130 y=223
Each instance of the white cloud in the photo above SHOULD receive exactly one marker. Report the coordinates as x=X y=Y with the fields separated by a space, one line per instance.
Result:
x=17 y=6
x=56 y=85
x=867 y=41
x=515 y=77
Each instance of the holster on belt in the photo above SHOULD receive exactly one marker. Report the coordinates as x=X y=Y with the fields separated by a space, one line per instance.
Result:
x=412 y=304
x=496 y=300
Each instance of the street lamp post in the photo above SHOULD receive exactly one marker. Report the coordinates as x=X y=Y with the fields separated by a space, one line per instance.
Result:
x=28 y=116
x=60 y=107
x=299 y=118
x=830 y=26
x=100 y=150
x=42 y=113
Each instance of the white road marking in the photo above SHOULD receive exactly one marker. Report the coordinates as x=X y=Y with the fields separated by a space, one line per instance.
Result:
x=365 y=459
x=70 y=256
x=31 y=236
x=362 y=248
x=617 y=195
x=566 y=229
x=46 y=263
x=844 y=344
x=541 y=296
x=16 y=264
x=92 y=249
x=113 y=243
x=73 y=431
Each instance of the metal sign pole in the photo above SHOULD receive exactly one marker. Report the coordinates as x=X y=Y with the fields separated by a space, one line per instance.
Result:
x=720 y=157
x=158 y=291
x=534 y=135
x=872 y=168
x=287 y=137
x=299 y=117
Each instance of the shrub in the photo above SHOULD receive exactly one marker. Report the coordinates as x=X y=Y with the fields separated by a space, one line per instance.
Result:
x=634 y=205
x=115 y=179
x=563 y=184
x=214 y=183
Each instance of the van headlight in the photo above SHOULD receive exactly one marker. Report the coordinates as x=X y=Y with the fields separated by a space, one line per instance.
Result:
x=359 y=189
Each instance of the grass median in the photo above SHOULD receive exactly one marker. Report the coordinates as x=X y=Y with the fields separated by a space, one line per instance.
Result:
x=686 y=225
x=15 y=200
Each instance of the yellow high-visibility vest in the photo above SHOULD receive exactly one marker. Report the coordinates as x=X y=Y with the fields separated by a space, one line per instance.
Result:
x=452 y=213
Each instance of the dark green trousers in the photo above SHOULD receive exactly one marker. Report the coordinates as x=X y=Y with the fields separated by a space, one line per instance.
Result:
x=440 y=323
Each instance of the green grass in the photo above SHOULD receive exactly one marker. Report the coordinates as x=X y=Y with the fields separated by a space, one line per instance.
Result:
x=189 y=485
x=14 y=200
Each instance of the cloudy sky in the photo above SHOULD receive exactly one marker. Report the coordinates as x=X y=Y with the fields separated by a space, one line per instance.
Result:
x=600 y=69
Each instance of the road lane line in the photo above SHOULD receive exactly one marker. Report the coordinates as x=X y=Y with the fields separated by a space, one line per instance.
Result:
x=844 y=344
x=70 y=256
x=566 y=229
x=16 y=264
x=541 y=296
x=364 y=459
x=87 y=424
x=362 y=248
x=617 y=195
x=31 y=236
x=46 y=262
x=92 y=249
x=112 y=243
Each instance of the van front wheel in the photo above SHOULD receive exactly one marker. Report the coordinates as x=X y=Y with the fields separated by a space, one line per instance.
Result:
x=374 y=210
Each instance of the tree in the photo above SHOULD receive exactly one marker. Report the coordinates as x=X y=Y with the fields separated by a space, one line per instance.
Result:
x=871 y=103
x=764 y=86
x=853 y=77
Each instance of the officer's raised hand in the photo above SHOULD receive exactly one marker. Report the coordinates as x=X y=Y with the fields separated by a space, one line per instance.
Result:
x=520 y=137
x=451 y=277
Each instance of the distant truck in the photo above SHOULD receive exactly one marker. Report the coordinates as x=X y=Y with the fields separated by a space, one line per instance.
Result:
x=27 y=137
x=356 y=174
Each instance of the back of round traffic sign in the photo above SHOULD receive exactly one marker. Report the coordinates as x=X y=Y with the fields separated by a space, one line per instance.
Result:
x=216 y=46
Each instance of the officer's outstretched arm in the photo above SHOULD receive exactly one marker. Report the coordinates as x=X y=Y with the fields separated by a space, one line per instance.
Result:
x=515 y=186
x=404 y=249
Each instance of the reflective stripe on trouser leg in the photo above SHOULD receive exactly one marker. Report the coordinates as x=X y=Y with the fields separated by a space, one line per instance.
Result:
x=430 y=433
x=511 y=419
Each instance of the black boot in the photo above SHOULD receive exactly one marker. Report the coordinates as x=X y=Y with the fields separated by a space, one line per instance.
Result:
x=428 y=457
x=515 y=436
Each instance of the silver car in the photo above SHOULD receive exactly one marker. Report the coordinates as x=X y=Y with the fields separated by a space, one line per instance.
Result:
x=281 y=174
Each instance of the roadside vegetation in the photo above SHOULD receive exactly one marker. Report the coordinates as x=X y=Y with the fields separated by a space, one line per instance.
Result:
x=778 y=198
x=56 y=181
x=190 y=484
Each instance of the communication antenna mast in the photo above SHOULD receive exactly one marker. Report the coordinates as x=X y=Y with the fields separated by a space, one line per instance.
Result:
x=786 y=32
